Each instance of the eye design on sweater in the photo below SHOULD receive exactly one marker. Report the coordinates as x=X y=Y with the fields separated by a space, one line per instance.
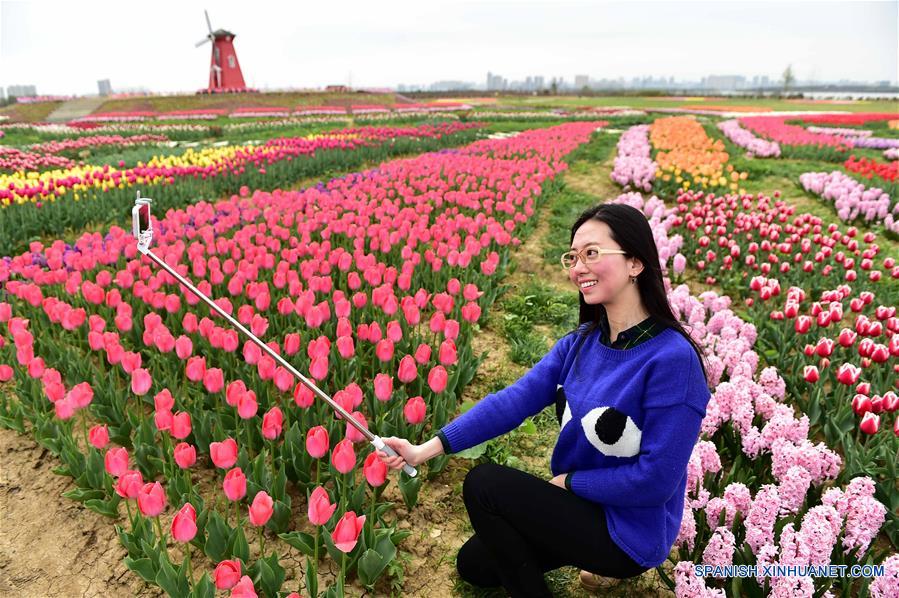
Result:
x=563 y=409
x=611 y=432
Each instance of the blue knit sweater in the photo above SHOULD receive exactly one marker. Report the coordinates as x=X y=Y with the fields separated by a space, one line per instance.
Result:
x=631 y=418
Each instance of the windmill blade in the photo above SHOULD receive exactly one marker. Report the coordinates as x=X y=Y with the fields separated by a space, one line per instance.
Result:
x=208 y=22
x=200 y=43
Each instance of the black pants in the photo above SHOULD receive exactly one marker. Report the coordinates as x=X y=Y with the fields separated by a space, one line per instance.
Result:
x=525 y=526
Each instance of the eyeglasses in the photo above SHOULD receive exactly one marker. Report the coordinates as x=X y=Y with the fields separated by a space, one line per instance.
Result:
x=589 y=255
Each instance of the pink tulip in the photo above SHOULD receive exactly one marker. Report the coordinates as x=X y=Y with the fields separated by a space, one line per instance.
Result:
x=262 y=508
x=346 y=347
x=151 y=500
x=224 y=453
x=195 y=368
x=437 y=379
x=383 y=387
x=343 y=457
x=352 y=433
x=320 y=508
x=116 y=461
x=375 y=470
x=423 y=353
x=6 y=373
x=244 y=588
x=870 y=423
x=407 y=371
x=234 y=391
x=226 y=574
x=163 y=401
x=317 y=442
x=247 y=406
x=185 y=455
x=318 y=369
x=99 y=436
x=181 y=425
x=384 y=350
x=346 y=533
x=184 y=347
x=272 y=422
x=141 y=381
x=414 y=410
x=214 y=380
x=184 y=524
x=129 y=484
x=302 y=396
x=235 y=484
x=447 y=354
x=163 y=420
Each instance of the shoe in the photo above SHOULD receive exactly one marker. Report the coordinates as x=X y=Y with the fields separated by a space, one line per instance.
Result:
x=595 y=583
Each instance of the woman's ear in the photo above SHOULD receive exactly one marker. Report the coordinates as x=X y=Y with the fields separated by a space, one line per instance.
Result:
x=636 y=267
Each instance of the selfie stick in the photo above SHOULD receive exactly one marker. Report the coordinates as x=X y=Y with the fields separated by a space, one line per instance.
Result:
x=142 y=229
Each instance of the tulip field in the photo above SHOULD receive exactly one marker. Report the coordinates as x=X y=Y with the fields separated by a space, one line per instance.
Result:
x=376 y=259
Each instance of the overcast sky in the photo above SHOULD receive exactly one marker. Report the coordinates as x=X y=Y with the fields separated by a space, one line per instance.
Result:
x=65 y=47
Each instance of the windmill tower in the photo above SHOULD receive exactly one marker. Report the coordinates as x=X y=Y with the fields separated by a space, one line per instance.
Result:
x=224 y=70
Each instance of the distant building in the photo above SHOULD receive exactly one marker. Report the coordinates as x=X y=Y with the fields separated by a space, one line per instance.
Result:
x=15 y=91
x=496 y=82
x=581 y=81
x=104 y=87
x=725 y=82
x=451 y=86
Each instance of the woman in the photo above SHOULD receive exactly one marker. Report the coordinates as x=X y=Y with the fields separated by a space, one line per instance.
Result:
x=630 y=392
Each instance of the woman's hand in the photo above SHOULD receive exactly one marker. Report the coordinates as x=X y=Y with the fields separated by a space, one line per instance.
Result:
x=559 y=481
x=413 y=454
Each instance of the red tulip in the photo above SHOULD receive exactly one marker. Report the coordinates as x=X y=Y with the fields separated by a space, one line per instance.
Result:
x=235 y=484
x=870 y=423
x=810 y=373
x=317 y=442
x=184 y=524
x=185 y=455
x=824 y=347
x=848 y=374
x=803 y=324
x=224 y=454
x=227 y=574
x=890 y=401
x=151 y=500
x=346 y=533
x=272 y=422
x=262 y=508
x=375 y=470
x=861 y=404
x=116 y=461
x=99 y=436
x=863 y=388
x=343 y=457
x=414 y=410
x=847 y=337
x=880 y=354
x=320 y=509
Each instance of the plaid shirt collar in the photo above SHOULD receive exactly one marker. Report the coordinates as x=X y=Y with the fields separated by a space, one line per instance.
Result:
x=631 y=337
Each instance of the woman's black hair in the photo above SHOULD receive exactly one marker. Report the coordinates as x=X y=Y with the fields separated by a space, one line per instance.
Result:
x=632 y=232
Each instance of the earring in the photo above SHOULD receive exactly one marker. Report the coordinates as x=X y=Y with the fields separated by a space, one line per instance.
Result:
x=633 y=280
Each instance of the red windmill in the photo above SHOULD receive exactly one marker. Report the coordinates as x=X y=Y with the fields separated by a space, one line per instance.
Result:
x=224 y=70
